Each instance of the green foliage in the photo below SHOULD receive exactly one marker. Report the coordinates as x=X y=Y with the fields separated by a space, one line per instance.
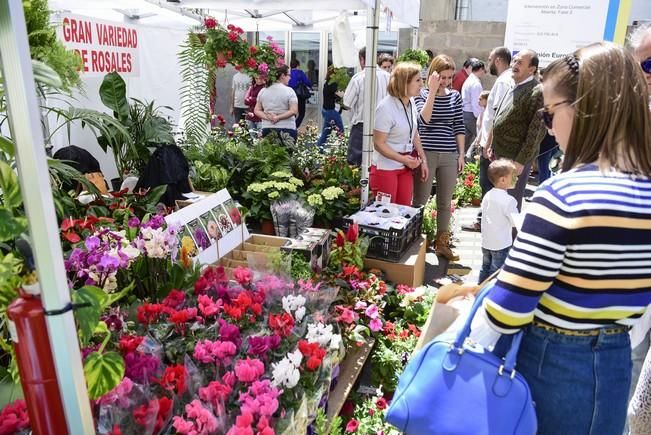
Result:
x=138 y=126
x=113 y=93
x=414 y=55
x=467 y=190
x=389 y=358
x=321 y=426
x=430 y=213
x=341 y=78
x=197 y=76
x=45 y=46
x=10 y=279
x=103 y=371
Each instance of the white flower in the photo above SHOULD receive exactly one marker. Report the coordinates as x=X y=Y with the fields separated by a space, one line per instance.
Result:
x=154 y=242
x=295 y=357
x=332 y=192
x=319 y=333
x=335 y=341
x=299 y=314
x=285 y=372
x=131 y=251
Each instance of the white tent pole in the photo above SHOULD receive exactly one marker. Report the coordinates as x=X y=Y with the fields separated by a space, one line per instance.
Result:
x=370 y=83
x=24 y=118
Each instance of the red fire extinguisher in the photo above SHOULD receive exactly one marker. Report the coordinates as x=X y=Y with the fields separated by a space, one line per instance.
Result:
x=35 y=363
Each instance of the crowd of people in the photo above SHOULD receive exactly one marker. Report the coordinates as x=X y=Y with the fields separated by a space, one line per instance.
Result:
x=576 y=273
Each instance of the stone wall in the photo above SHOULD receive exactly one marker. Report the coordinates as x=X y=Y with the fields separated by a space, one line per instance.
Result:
x=462 y=39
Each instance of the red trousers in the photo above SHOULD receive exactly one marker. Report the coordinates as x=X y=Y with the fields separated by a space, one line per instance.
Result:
x=398 y=183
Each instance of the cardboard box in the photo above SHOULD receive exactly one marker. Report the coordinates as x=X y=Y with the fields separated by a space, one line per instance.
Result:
x=253 y=253
x=410 y=270
x=314 y=245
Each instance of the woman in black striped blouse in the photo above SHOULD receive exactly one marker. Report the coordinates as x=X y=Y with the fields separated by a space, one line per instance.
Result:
x=442 y=135
x=579 y=273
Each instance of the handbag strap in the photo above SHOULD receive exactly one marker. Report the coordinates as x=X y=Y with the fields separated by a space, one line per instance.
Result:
x=511 y=355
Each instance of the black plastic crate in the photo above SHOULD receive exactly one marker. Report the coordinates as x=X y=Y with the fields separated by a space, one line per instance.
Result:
x=389 y=245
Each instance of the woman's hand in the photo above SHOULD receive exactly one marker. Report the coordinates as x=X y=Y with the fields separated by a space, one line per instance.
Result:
x=411 y=162
x=434 y=82
x=461 y=162
x=424 y=171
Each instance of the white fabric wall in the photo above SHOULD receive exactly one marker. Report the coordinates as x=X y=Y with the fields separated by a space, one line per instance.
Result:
x=159 y=80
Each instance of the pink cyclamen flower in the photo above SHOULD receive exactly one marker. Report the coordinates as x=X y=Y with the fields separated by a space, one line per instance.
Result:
x=118 y=395
x=375 y=325
x=249 y=370
x=242 y=275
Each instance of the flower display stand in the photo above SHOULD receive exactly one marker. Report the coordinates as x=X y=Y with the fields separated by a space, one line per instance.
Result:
x=351 y=367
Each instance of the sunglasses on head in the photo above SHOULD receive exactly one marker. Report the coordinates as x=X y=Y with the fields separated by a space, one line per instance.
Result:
x=547 y=116
x=646 y=65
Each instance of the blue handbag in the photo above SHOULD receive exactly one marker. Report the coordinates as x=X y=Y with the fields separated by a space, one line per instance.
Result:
x=461 y=388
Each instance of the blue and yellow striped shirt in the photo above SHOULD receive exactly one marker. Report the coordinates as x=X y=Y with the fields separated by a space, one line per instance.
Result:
x=583 y=256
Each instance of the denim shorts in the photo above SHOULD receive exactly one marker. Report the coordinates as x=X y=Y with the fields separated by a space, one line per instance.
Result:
x=579 y=384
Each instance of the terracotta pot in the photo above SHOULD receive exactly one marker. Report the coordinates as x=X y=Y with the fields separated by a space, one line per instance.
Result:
x=476 y=202
x=267 y=227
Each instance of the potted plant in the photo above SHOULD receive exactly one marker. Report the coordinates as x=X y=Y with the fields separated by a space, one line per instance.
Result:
x=467 y=190
x=143 y=121
x=414 y=55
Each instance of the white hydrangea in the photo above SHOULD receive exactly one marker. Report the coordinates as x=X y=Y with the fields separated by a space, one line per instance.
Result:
x=333 y=192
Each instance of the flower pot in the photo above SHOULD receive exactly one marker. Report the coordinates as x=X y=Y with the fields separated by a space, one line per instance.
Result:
x=267 y=227
x=116 y=183
x=475 y=202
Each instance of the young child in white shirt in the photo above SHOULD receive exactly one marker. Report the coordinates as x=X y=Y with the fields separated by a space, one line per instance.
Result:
x=497 y=217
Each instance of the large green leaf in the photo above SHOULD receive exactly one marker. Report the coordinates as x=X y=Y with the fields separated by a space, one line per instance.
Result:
x=88 y=317
x=103 y=373
x=7 y=146
x=9 y=186
x=113 y=93
x=11 y=226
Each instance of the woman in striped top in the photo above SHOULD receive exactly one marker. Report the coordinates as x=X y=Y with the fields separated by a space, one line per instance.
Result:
x=442 y=135
x=579 y=272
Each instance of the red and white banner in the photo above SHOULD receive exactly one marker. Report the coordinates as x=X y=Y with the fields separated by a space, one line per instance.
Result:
x=104 y=46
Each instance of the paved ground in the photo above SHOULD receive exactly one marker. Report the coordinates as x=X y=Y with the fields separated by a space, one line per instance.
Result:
x=467 y=247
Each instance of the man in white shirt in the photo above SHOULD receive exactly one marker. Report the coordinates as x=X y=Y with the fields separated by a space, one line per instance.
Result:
x=499 y=64
x=470 y=92
x=354 y=100
x=241 y=83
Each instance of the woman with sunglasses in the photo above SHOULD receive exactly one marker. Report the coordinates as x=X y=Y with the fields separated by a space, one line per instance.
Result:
x=579 y=273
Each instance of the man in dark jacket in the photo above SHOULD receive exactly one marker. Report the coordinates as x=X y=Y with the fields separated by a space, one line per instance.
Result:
x=518 y=129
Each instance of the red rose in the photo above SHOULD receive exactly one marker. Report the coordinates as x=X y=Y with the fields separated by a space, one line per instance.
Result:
x=210 y=23
x=251 y=63
x=253 y=49
x=233 y=37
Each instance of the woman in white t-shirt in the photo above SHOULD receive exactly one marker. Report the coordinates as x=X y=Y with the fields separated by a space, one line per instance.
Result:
x=277 y=106
x=398 y=151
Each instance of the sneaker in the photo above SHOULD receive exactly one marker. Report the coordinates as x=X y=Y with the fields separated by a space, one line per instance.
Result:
x=474 y=227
